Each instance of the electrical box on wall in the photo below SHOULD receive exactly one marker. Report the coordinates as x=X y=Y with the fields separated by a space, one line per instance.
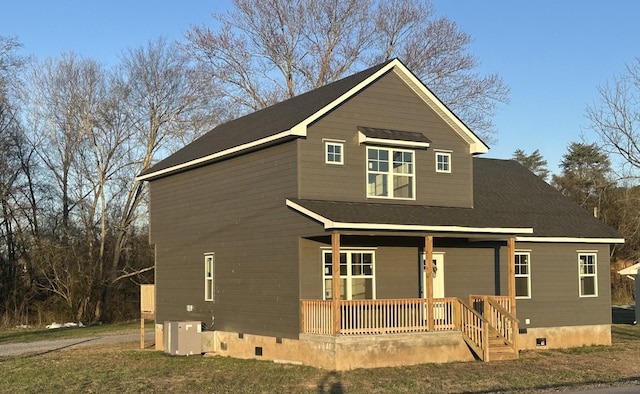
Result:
x=182 y=338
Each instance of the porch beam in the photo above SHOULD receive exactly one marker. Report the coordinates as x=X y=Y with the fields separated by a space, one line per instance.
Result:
x=335 y=281
x=428 y=266
x=511 y=272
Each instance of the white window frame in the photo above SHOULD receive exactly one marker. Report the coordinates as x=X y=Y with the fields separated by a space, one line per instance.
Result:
x=527 y=275
x=438 y=155
x=388 y=175
x=209 y=275
x=328 y=154
x=582 y=274
x=348 y=278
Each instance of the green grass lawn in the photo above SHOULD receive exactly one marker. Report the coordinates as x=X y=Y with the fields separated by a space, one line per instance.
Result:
x=124 y=368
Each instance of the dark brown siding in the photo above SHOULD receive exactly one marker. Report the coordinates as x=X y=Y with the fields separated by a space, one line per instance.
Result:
x=389 y=104
x=396 y=269
x=480 y=268
x=236 y=209
x=472 y=269
x=311 y=269
x=397 y=273
x=555 y=299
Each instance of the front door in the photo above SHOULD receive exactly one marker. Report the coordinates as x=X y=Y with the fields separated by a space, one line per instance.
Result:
x=438 y=276
x=439 y=308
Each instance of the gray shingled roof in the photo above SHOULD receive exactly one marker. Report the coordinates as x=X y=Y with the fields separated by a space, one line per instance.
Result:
x=506 y=195
x=265 y=122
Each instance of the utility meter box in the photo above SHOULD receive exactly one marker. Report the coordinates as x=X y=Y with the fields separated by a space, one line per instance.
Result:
x=182 y=338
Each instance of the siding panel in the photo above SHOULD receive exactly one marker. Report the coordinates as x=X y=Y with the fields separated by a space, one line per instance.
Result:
x=555 y=297
x=236 y=209
x=386 y=104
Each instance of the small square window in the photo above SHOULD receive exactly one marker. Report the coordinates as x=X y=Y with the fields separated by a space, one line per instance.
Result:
x=333 y=152
x=443 y=162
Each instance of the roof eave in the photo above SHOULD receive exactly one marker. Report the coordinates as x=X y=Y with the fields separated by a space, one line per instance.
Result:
x=589 y=240
x=285 y=135
x=330 y=224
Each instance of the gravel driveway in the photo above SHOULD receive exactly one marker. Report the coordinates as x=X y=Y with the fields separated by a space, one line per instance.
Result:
x=41 y=347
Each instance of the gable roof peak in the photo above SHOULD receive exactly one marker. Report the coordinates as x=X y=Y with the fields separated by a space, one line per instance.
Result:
x=289 y=119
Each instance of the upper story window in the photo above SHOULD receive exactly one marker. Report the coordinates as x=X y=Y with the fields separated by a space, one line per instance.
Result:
x=390 y=173
x=443 y=162
x=333 y=152
x=523 y=274
x=587 y=273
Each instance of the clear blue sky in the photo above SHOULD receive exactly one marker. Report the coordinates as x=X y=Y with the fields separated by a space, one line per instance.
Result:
x=553 y=54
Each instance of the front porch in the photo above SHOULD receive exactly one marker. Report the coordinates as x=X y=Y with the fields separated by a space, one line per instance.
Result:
x=486 y=323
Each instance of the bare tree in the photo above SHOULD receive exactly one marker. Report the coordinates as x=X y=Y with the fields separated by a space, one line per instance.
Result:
x=616 y=117
x=616 y=120
x=165 y=102
x=265 y=52
x=94 y=132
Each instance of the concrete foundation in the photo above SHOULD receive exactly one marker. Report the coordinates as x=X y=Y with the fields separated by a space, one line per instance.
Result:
x=565 y=337
x=375 y=351
x=343 y=352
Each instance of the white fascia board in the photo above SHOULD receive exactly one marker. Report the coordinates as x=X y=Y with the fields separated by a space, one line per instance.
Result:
x=331 y=225
x=476 y=145
x=318 y=114
x=363 y=139
x=632 y=270
x=235 y=149
x=326 y=222
x=571 y=240
x=419 y=227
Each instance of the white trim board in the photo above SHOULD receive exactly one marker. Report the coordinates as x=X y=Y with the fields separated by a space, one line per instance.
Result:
x=333 y=225
x=571 y=240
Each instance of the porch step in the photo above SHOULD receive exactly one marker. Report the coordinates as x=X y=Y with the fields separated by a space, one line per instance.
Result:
x=498 y=350
x=502 y=352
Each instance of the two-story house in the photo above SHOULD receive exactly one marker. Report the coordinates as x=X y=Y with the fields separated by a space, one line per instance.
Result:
x=370 y=188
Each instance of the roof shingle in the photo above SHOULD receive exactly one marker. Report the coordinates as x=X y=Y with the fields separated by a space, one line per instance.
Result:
x=264 y=123
x=506 y=195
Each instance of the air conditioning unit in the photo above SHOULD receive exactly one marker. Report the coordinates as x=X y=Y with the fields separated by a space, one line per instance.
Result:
x=182 y=338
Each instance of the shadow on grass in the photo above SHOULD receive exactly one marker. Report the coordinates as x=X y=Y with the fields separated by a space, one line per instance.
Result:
x=331 y=384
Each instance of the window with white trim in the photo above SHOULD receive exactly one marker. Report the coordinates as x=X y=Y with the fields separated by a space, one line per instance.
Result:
x=333 y=152
x=209 y=266
x=443 y=162
x=357 y=274
x=523 y=274
x=390 y=173
x=587 y=272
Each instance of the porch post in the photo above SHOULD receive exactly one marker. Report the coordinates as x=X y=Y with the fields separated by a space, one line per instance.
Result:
x=511 y=272
x=335 y=281
x=428 y=266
